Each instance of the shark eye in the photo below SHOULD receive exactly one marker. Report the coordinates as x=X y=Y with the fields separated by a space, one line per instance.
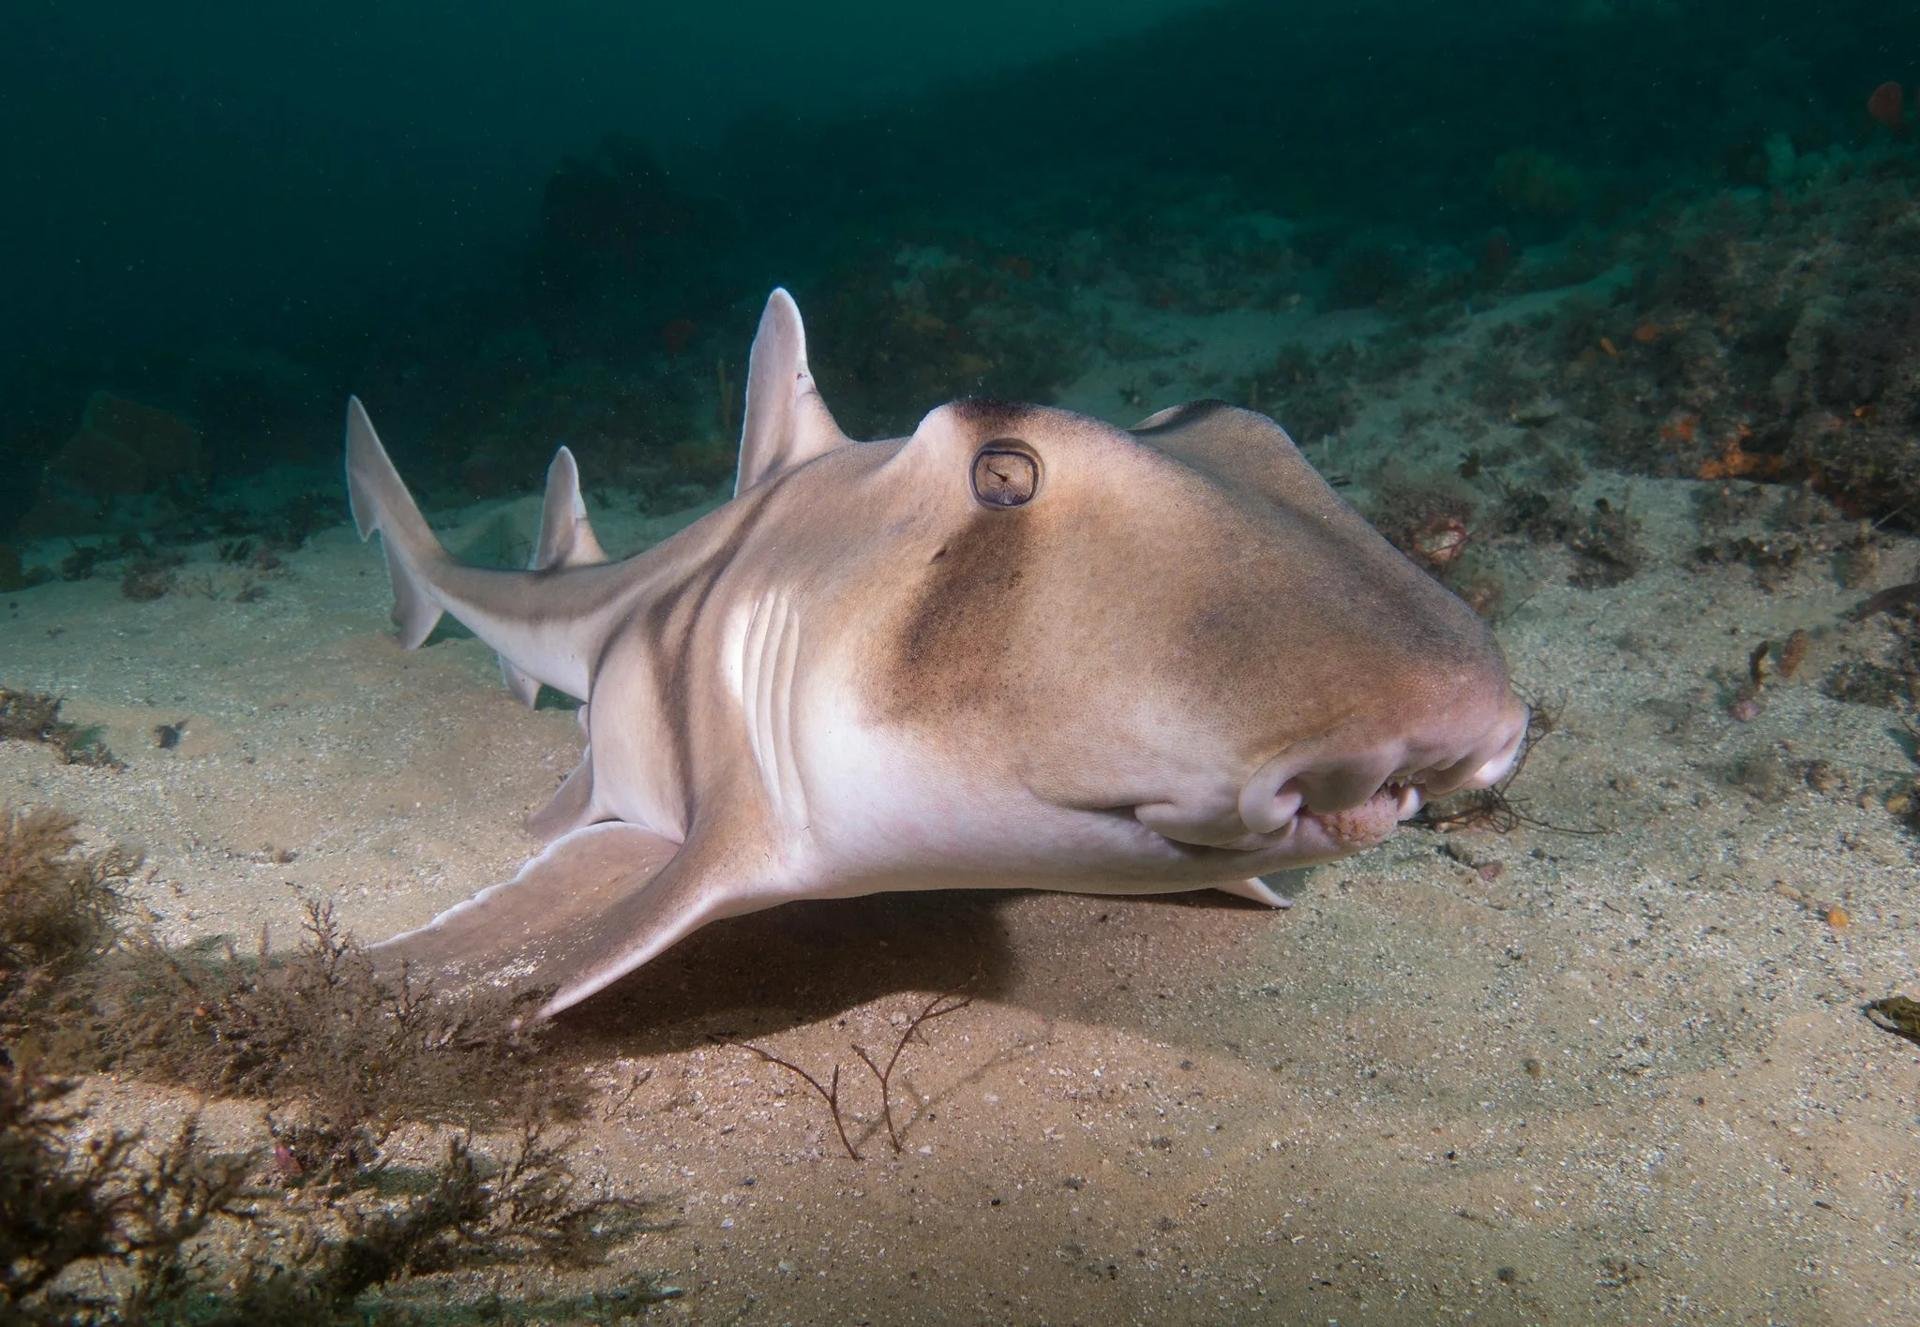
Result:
x=1005 y=474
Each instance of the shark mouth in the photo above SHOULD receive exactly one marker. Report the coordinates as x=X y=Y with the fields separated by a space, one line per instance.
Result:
x=1360 y=826
x=1307 y=833
x=1337 y=808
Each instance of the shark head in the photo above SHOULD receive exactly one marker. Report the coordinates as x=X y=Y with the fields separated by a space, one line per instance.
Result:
x=1171 y=653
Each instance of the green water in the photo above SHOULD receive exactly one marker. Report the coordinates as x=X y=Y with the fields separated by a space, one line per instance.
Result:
x=513 y=225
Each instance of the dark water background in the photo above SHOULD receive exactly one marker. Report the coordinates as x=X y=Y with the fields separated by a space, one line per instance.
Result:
x=510 y=225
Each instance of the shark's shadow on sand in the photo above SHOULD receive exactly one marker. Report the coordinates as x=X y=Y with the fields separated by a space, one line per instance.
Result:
x=808 y=962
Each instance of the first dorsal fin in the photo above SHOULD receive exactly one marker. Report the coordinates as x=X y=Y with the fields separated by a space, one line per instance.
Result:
x=787 y=424
x=566 y=540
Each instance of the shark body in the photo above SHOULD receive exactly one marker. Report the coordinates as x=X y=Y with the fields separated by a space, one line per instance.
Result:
x=1020 y=647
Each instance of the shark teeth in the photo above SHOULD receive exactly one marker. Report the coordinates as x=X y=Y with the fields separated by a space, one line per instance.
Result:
x=1409 y=800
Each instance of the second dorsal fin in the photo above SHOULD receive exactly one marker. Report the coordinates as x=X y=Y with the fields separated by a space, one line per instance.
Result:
x=566 y=540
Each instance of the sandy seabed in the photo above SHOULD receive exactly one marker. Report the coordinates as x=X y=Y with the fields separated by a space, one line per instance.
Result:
x=1614 y=1071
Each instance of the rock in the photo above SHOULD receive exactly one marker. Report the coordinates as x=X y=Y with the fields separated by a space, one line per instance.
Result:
x=124 y=447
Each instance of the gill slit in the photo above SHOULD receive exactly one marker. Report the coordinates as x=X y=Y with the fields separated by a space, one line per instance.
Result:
x=770 y=651
x=785 y=673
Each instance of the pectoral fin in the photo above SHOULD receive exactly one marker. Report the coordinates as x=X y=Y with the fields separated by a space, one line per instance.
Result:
x=571 y=807
x=1258 y=890
x=593 y=906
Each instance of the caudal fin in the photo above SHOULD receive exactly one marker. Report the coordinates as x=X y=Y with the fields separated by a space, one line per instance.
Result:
x=380 y=501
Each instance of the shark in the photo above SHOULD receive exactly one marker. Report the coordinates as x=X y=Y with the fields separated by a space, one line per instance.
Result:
x=1020 y=647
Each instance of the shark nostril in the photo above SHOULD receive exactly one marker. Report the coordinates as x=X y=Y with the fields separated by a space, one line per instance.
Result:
x=1287 y=786
x=1283 y=808
x=1488 y=760
x=1474 y=747
x=1439 y=780
x=1272 y=797
x=1506 y=755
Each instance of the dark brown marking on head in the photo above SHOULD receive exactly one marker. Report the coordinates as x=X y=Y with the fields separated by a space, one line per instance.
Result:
x=988 y=415
x=950 y=648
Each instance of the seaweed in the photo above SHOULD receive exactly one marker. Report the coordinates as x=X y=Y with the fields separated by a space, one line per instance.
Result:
x=1776 y=344
x=1607 y=549
x=103 y=1205
x=14 y=575
x=934 y=324
x=362 y=1047
x=58 y=907
x=284 y=526
x=63 y=1206
x=1311 y=396
x=80 y=563
x=311 y=1226
x=149 y=578
x=293 y=523
x=1432 y=523
x=1764 y=774
x=829 y=1093
x=1718 y=506
x=471 y=1209
x=1773 y=558
x=34 y=716
x=1890 y=677
x=938 y=1007
x=1863 y=682
x=1905 y=804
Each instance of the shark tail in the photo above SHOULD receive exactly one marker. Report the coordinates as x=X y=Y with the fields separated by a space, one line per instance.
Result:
x=566 y=540
x=380 y=501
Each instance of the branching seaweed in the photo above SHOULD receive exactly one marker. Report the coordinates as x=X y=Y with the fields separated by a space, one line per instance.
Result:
x=361 y=1046
x=34 y=716
x=1492 y=809
x=829 y=1093
x=63 y=1206
x=58 y=905
x=939 y=1007
x=316 y=1227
